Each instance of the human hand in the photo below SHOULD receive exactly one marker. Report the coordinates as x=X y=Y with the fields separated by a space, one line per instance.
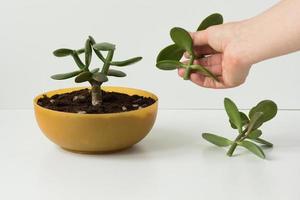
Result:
x=224 y=49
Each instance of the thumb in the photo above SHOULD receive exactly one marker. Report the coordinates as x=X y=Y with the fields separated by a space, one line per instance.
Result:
x=199 y=38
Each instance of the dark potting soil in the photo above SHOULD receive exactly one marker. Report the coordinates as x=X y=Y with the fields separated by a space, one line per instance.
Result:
x=80 y=102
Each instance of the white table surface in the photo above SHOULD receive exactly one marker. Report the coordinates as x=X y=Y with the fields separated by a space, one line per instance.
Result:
x=172 y=162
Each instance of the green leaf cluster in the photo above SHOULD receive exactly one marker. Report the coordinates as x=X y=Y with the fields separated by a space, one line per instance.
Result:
x=169 y=57
x=84 y=73
x=249 y=134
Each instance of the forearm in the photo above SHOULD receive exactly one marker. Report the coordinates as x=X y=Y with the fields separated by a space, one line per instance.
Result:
x=273 y=33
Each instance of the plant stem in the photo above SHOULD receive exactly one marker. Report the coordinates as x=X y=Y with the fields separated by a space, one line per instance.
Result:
x=247 y=131
x=239 y=138
x=187 y=72
x=234 y=145
x=96 y=94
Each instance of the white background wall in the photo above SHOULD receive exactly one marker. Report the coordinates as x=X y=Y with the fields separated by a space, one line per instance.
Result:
x=32 y=29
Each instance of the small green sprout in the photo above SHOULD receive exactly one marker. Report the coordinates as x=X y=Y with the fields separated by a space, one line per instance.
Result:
x=247 y=126
x=169 y=57
x=95 y=77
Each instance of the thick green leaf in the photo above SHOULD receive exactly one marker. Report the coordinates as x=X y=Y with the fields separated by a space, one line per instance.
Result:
x=244 y=118
x=65 y=75
x=256 y=121
x=254 y=134
x=171 y=52
x=116 y=73
x=92 y=40
x=80 y=51
x=104 y=46
x=169 y=64
x=204 y=71
x=262 y=141
x=232 y=125
x=95 y=70
x=213 y=19
x=100 y=77
x=253 y=148
x=267 y=107
x=88 y=53
x=126 y=62
x=217 y=140
x=233 y=113
x=98 y=53
x=63 y=52
x=77 y=60
x=182 y=39
x=84 y=76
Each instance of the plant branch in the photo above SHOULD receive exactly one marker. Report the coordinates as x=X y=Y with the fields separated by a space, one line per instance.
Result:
x=234 y=145
x=187 y=72
x=107 y=62
x=239 y=138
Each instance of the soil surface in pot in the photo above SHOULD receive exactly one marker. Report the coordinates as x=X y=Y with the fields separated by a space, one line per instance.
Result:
x=80 y=102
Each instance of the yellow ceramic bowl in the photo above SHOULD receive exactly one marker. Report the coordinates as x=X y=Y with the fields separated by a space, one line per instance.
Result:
x=96 y=133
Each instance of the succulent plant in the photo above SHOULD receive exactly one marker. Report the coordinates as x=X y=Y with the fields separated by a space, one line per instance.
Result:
x=95 y=77
x=247 y=126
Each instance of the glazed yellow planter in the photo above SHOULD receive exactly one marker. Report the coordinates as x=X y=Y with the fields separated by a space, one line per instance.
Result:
x=96 y=133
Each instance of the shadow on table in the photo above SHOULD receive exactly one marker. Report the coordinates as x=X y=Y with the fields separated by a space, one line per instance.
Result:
x=166 y=142
x=216 y=153
x=162 y=141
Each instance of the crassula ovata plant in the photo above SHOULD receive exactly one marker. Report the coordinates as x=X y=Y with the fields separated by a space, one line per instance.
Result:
x=248 y=127
x=95 y=77
x=169 y=57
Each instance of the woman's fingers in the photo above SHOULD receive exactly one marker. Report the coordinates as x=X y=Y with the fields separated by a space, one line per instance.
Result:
x=207 y=82
x=181 y=72
x=200 y=38
x=201 y=51
x=204 y=81
x=215 y=69
x=200 y=43
x=212 y=63
x=215 y=59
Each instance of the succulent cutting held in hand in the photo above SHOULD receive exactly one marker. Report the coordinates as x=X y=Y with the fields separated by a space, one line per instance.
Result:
x=247 y=126
x=169 y=57
x=95 y=77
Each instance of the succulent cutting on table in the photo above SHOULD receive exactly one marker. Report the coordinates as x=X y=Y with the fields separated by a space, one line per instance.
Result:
x=248 y=127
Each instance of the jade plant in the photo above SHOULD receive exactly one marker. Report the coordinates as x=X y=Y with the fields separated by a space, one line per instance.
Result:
x=248 y=127
x=169 y=57
x=95 y=77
